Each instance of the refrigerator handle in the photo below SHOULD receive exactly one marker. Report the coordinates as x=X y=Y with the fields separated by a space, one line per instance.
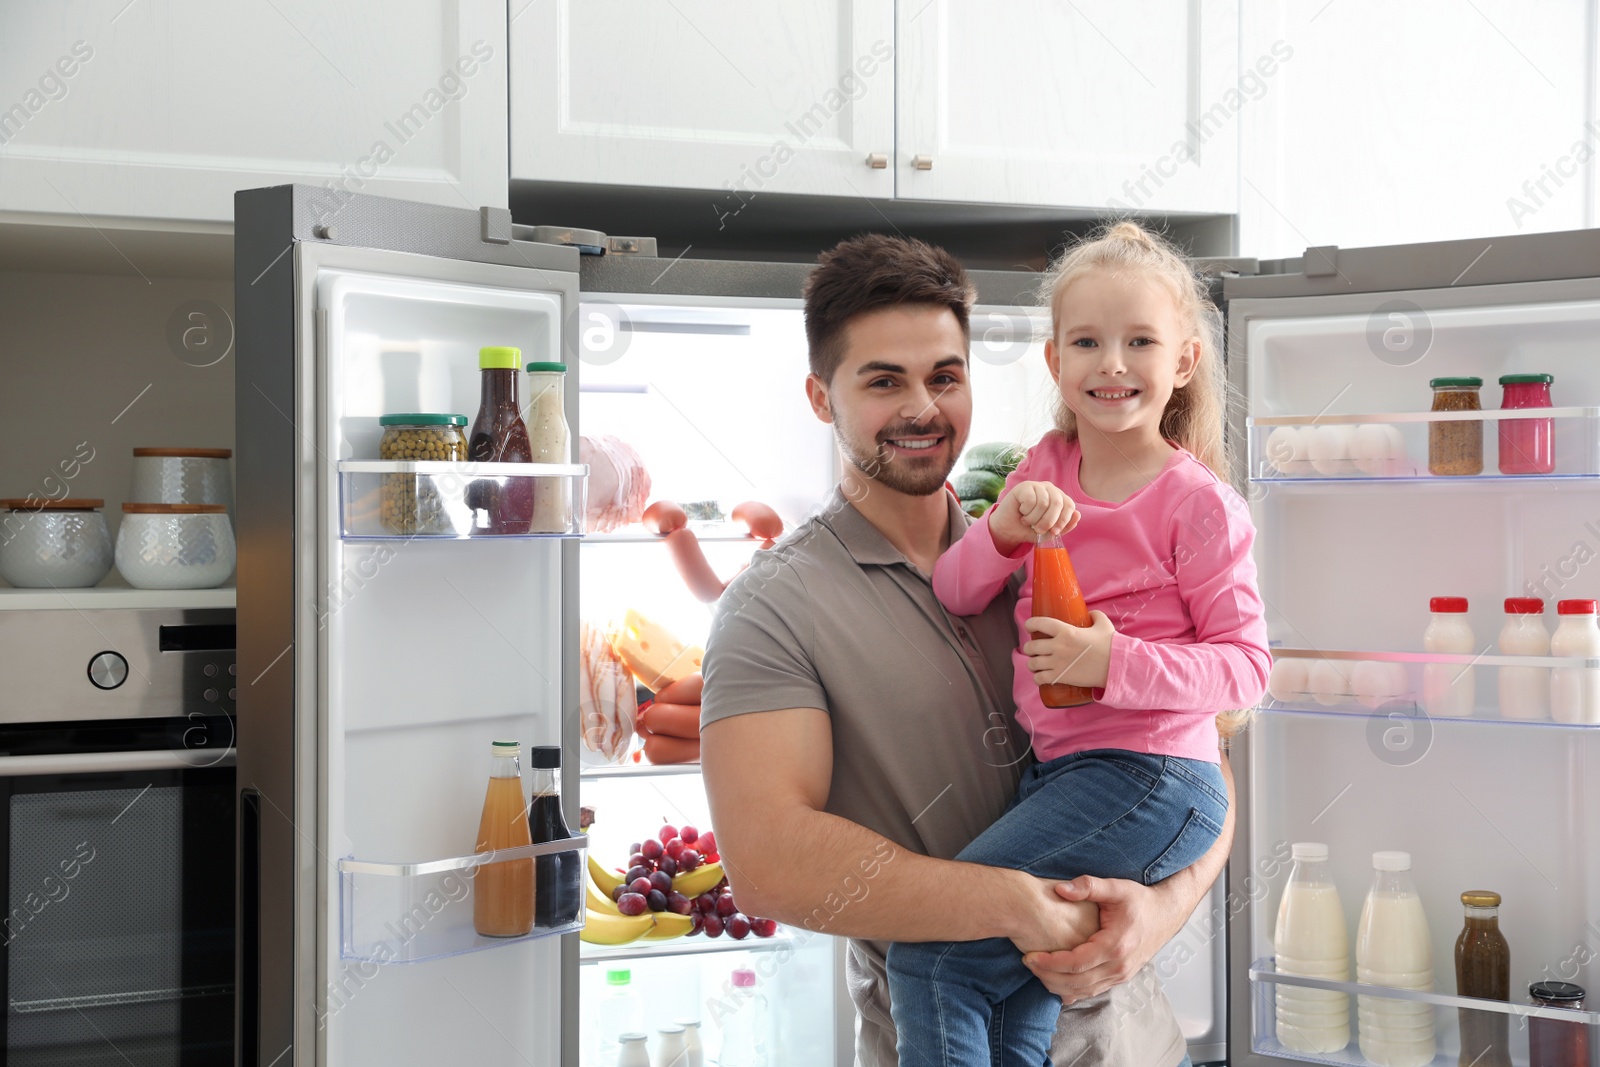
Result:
x=249 y=981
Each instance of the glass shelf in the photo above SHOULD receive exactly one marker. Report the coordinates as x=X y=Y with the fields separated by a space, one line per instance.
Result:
x=1448 y=1009
x=406 y=499
x=411 y=912
x=703 y=531
x=630 y=769
x=1380 y=448
x=688 y=945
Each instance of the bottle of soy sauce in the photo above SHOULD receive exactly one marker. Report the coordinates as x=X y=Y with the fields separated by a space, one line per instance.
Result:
x=558 y=879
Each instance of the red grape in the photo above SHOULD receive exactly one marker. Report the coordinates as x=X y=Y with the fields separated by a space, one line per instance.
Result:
x=696 y=921
x=726 y=906
x=713 y=926
x=764 y=927
x=675 y=848
x=669 y=865
x=711 y=857
x=640 y=886
x=667 y=833
x=661 y=881
x=635 y=873
x=688 y=833
x=633 y=848
x=636 y=861
x=618 y=890
x=679 y=904
x=706 y=902
x=651 y=849
x=707 y=843
x=657 y=900
x=689 y=860
x=738 y=927
x=632 y=904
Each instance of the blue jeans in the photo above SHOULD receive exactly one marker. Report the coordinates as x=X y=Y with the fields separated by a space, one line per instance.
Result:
x=1108 y=813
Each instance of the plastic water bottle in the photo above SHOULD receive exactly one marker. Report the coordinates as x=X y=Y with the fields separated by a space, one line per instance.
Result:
x=621 y=1012
x=744 y=1033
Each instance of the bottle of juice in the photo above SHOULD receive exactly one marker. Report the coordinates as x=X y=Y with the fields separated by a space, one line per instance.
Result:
x=500 y=505
x=559 y=879
x=1056 y=596
x=502 y=893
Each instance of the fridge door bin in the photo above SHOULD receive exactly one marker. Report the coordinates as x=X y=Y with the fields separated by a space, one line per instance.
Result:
x=1395 y=447
x=1492 y=1027
x=402 y=499
x=411 y=912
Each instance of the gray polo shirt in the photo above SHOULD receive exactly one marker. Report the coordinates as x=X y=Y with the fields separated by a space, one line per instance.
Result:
x=926 y=747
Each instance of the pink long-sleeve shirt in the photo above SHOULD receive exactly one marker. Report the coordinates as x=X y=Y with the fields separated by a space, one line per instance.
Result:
x=1171 y=568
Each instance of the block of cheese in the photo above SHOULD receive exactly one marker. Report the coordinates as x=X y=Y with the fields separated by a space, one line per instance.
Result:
x=654 y=656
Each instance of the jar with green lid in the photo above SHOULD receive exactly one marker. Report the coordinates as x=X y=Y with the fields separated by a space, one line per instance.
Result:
x=412 y=503
x=1456 y=447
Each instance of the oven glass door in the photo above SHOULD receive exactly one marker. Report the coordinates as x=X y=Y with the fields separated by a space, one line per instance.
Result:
x=117 y=943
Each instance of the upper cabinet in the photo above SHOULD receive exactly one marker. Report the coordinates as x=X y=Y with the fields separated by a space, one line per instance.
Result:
x=737 y=98
x=1096 y=104
x=161 y=109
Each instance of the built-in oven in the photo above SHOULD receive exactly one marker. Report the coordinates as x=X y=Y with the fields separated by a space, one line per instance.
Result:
x=117 y=837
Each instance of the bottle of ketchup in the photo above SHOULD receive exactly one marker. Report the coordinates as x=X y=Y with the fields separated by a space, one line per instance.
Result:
x=1056 y=596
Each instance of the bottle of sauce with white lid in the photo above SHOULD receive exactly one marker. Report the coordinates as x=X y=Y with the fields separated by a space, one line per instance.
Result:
x=1311 y=940
x=551 y=442
x=1393 y=948
x=1524 y=691
x=1449 y=690
x=1575 y=691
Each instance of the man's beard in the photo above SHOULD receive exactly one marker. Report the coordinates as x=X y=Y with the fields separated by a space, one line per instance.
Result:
x=879 y=464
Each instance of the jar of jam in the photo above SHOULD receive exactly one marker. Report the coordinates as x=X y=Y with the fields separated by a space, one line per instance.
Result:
x=1527 y=446
x=412 y=503
x=1557 y=1042
x=1456 y=447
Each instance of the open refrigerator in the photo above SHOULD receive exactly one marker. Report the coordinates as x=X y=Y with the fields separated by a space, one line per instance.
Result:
x=377 y=667
x=1351 y=545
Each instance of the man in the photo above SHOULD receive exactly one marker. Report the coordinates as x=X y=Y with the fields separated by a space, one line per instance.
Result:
x=856 y=736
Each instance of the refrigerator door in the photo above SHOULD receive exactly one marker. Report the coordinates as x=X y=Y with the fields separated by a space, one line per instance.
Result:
x=376 y=667
x=1365 y=508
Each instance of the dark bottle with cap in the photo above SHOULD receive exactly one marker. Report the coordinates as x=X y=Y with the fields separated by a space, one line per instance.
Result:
x=558 y=880
x=1483 y=969
x=500 y=505
x=1557 y=1042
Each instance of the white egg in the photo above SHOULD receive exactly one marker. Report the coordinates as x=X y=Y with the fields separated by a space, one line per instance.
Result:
x=1330 y=449
x=1289 y=681
x=1371 y=682
x=1399 y=460
x=1330 y=681
x=1287 y=450
x=1370 y=448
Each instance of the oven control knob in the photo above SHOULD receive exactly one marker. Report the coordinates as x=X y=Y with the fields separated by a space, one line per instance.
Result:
x=108 y=670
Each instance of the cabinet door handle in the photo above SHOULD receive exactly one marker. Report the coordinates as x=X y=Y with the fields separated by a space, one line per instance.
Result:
x=921 y=162
x=878 y=160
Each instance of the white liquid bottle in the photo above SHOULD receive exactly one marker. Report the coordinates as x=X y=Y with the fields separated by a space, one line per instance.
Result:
x=1311 y=940
x=744 y=1032
x=1575 y=691
x=633 y=1051
x=1448 y=689
x=694 y=1050
x=1393 y=949
x=671 y=1049
x=621 y=1012
x=1524 y=691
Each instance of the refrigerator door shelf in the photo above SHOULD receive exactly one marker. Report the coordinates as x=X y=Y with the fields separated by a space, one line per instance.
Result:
x=1449 y=1011
x=1394 y=447
x=402 y=499
x=411 y=912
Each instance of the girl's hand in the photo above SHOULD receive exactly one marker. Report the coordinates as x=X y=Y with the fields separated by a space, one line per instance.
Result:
x=1030 y=509
x=1068 y=654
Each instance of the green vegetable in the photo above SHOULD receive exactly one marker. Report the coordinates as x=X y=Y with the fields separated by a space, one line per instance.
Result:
x=978 y=485
x=976 y=508
x=996 y=456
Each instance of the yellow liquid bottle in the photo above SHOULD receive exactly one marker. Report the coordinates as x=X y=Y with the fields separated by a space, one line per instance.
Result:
x=502 y=893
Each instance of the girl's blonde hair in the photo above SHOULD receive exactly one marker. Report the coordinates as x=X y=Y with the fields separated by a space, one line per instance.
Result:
x=1195 y=413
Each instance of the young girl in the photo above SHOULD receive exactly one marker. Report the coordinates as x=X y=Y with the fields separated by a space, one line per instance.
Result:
x=1133 y=476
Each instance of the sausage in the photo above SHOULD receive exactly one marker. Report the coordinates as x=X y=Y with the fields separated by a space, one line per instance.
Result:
x=673 y=720
x=696 y=573
x=759 y=519
x=664 y=516
x=685 y=690
x=659 y=749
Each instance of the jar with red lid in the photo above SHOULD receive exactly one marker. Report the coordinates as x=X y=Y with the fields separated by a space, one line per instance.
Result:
x=1527 y=446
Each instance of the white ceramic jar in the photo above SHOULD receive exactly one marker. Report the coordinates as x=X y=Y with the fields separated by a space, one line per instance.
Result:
x=175 y=546
x=182 y=476
x=54 y=544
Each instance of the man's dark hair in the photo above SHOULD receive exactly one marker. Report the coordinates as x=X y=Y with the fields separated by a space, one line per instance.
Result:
x=876 y=271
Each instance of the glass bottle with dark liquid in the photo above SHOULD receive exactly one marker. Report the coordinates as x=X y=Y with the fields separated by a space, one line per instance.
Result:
x=1483 y=969
x=503 y=505
x=558 y=880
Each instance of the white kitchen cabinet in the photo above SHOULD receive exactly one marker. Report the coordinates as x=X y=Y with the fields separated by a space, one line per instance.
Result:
x=161 y=109
x=737 y=98
x=1129 y=104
